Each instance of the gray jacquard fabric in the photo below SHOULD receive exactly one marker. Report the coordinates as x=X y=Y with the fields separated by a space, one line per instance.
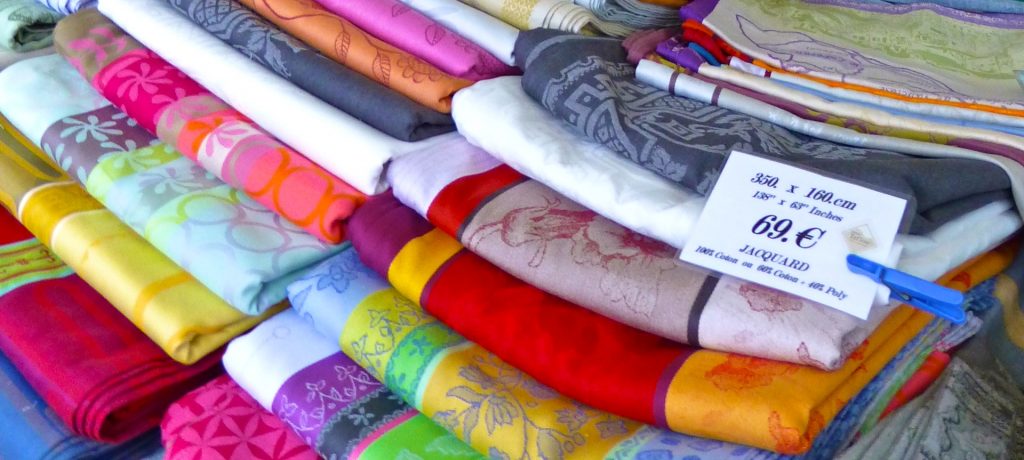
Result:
x=378 y=106
x=588 y=83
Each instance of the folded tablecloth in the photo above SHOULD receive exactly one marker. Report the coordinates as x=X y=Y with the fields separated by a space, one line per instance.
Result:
x=549 y=241
x=33 y=430
x=964 y=415
x=470 y=391
x=300 y=120
x=766 y=404
x=490 y=33
x=686 y=140
x=182 y=113
x=221 y=420
x=632 y=14
x=921 y=52
x=332 y=404
x=168 y=304
x=346 y=43
x=879 y=130
x=538 y=145
x=240 y=250
x=350 y=91
x=538 y=14
x=68 y=6
x=415 y=33
x=102 y=377
x=25 y=25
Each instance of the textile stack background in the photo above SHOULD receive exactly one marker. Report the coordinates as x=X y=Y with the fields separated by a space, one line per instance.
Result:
x=453 y=229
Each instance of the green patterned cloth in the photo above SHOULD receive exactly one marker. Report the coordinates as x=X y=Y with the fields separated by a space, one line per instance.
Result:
x=26 y=25
x=918 y=51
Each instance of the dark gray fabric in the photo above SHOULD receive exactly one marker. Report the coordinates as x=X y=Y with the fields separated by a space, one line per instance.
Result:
x=588 y=83
x=378 y=106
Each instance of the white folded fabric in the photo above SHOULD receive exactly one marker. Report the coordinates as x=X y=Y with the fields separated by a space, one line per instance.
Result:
x=540 y=146
x=537 y=144
x=340 y=143
x=265 y=358
x=474 y=25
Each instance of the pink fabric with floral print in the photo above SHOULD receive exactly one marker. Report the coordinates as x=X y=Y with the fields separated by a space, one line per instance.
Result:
x=224 y=141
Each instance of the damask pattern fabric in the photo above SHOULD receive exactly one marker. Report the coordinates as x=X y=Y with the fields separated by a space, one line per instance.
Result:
x=962 y=416
x=166 y=102
x=417 y=34
x=168 y=304
x=25 y=25
x=330 y=402
x=300 y=120
x=377 y=106
x=750 y=401
x=538 y=145
x=240 y=250
x=632 y=14
x=220 y=420
x=546 y=14
x=69 y=6
x=33 y=430
x=469 y=390
x=490 y=33
x=342 y=41
x=923 y=52
x=904 y=136
x=101 y=376
x=588 y=83
x=549 y=241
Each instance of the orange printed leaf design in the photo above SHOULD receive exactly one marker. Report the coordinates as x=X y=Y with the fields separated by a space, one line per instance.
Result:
x=382 y=67
x=739 y=373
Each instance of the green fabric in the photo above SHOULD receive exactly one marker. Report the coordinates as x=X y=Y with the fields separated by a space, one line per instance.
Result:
x=26 y=25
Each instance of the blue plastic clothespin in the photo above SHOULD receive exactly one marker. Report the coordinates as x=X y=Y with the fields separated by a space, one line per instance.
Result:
x=941 y=301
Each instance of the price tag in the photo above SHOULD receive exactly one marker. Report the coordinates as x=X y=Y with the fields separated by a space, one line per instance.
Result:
x=791 y=229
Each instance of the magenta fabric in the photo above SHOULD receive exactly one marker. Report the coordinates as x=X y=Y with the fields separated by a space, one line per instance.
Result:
x=414 y=33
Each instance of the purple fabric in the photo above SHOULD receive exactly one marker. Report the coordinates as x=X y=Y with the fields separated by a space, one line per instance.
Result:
x=676 y=51
x=408 y=29
x=309 y=399
x=377 y=253
x=697 y=10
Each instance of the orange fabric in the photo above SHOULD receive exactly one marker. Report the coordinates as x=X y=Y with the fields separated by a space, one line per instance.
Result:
x=891 y=95
x=353 y=47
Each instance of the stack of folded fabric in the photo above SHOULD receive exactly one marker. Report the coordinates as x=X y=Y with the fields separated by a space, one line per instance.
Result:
x=449 y=229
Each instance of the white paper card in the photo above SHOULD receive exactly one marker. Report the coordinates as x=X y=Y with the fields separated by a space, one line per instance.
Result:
x=791 y=229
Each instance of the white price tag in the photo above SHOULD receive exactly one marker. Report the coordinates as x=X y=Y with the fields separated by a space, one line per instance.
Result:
x=791 y=229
